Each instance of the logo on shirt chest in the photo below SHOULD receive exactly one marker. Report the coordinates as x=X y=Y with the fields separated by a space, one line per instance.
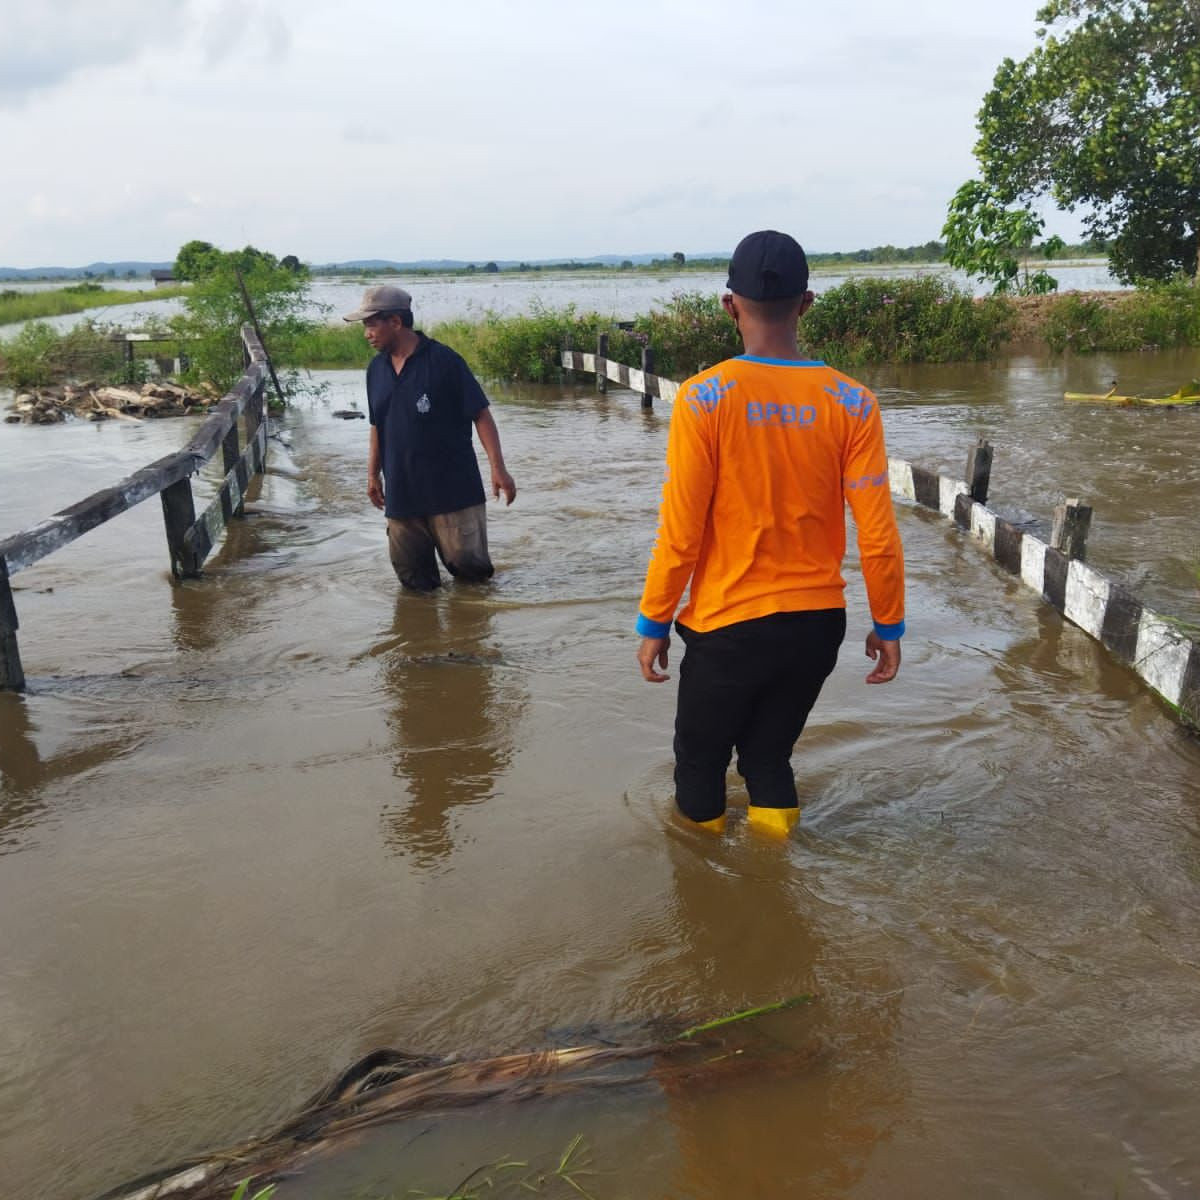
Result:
x=423 y=403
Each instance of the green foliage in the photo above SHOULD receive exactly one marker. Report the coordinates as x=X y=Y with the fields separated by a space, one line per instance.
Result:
x=1155 y=317
x=530 y=346
x=565 y=1178
x=1105 y=115
x=327 y=347
x=924 y=319
x=867 y=320
x=39 y=355
x=993 y=242
x=243 y=1192
x=690 y=332
x=196 y=259
x=215 y=311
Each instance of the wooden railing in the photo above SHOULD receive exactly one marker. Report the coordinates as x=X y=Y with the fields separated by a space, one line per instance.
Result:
x=1159 y=649
x=190 y=539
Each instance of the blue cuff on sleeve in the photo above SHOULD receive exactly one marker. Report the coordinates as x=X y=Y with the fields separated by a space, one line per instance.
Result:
x=889 y=633
x=654 y=629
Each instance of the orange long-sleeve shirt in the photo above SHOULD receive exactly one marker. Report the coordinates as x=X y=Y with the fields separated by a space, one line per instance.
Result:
x=762 y=456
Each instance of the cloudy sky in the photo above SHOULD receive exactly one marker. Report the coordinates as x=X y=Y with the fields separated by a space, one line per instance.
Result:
x=345 y=129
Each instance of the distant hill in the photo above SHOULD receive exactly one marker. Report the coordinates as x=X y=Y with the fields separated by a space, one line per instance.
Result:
x=98 y=269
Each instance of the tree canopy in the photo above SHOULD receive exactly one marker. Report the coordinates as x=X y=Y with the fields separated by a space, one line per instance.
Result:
x=215 y=307
x=1103 y=117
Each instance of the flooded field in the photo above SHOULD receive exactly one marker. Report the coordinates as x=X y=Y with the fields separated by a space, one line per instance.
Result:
x=256 y=825
x=620 y=294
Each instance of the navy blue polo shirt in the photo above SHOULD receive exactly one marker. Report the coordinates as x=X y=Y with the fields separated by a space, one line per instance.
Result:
x=424 y=417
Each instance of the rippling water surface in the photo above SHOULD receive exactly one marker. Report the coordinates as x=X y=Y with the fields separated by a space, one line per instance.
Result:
x=255 y=825
x=619 y=294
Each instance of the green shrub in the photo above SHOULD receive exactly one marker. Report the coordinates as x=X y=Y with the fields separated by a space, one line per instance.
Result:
x=529 y=346
x=1156 y=316
x=1077 y=322
x=690 y=332
x=926 y=319
x=327 y=347
x=40 y=355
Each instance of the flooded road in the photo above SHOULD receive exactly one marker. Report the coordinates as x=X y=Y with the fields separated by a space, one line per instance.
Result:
x=254 y=826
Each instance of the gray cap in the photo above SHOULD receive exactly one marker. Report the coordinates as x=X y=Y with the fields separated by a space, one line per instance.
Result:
x=384 y=298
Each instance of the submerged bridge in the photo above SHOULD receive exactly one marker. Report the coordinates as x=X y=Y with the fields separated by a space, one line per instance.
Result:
x=1154 y=646
x=190 y=539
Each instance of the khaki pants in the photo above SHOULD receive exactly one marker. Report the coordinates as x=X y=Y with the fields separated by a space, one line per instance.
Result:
x=459 y=539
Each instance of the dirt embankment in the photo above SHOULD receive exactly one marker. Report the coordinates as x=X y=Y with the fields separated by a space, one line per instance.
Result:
x=1032 y=311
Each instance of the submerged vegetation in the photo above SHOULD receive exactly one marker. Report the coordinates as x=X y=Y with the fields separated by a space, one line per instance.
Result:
x=867 y=320
x=864 y=320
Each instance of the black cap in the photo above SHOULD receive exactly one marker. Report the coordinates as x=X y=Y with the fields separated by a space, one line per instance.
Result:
x=768 y=265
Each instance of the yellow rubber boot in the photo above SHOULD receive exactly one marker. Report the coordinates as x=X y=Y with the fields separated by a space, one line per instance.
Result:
x=779 y=822
x=716 y=825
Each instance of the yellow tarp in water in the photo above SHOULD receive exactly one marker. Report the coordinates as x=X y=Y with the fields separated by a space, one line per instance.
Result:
x=1189 y=393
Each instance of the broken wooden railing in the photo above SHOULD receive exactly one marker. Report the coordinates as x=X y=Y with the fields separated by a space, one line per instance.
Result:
x=1157 y=648
x=190 y=539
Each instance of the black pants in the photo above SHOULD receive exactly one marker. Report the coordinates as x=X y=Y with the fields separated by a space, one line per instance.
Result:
x=751 y=686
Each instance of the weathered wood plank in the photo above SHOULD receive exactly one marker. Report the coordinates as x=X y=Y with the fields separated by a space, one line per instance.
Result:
x=12 y=677
x=927 y=489
x=179 y=515
x=1072 y=521
x=64 y=527
x=1054 y=579
x=648 y=393
x=230 y=453
x=979 y=471
x=203 y=534
x=602 y=363
x=1008 y=546
x=1119 y=630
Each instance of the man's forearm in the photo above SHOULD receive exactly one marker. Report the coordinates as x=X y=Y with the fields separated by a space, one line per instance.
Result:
x=489 y=438
x=373 y=464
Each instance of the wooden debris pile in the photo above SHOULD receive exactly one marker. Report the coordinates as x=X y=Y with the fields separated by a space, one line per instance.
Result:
x=93 y=402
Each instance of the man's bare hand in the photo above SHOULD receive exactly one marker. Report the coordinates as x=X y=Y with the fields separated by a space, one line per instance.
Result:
x=502 y=481
x=653 y=650
x=886 y=656
x=375 y=490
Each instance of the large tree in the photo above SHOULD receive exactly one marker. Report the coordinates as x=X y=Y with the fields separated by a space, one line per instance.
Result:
x=1103 y=117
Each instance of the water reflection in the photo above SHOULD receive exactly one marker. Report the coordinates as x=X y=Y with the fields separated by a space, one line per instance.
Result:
x=451 y=719
x=746 y=938
x=25 y=772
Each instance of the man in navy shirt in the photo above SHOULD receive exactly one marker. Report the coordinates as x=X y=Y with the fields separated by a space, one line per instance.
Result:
x=421 y=465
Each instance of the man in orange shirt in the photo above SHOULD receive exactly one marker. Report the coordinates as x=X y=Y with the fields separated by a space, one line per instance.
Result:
x=764 y=451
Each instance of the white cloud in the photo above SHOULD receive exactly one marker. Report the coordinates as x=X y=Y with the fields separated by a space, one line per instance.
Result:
x=43 y=45
x=471 y=130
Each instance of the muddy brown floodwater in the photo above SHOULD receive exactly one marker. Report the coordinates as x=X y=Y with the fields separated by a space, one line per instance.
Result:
x=253 y=826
